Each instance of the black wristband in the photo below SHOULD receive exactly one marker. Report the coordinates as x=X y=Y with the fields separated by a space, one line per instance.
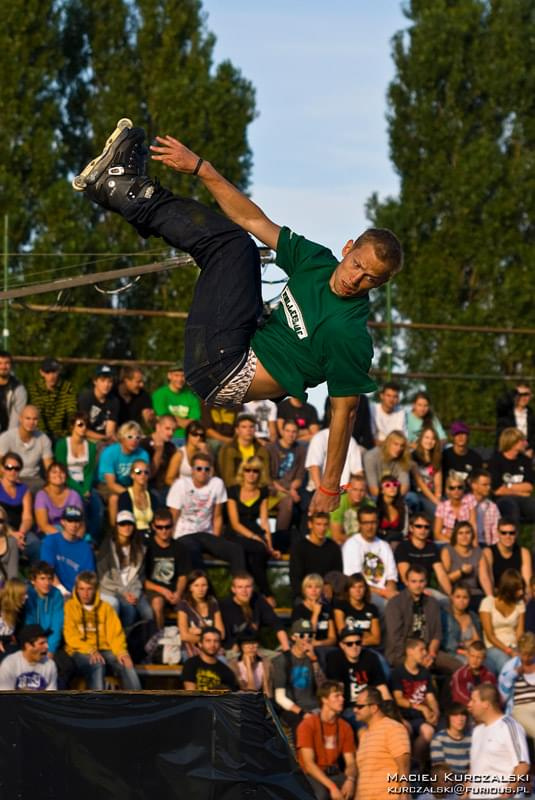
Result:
x=198 y=166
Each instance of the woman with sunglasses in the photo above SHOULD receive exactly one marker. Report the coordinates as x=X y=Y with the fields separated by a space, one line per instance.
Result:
x=139 y=499
x=458 y=507
x=180 y=463
x=198 y=609
x=9 y=551
x=115 y=463
x=426 y=473
x=392 y=514
x=16 y=501
x=52 y=500
x=463 y=561
x=247 y=509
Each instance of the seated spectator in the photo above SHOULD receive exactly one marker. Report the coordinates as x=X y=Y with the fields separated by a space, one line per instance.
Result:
x=247 y=609
x=344 y=520
x=512 y=477
x=32 y=445
x=205 y=672
x=178 y=400
x=197 y=610
x=459 y=457
x=167 y=563
x=297 y=676
x=160 y=449
x=115 y=464
x=121 y=568
x=100 y=406
x=413 y=692
x=13 y=395
x=513 y=411
x=414 y=614
x=356 y=611
x=138 y=499
x=16 y=501
x=426 y=474
x=451 y=745
x=422 y=416
x=458 y=507
x=387 y=415
x=372 y=556
x=287 y=472
x=390 y=457
x=316 y=458
x=508 y=554
x=304 y=415
x=180 y=462
x=487 y=512
x=135 y=404
x=9 y=551
x=317 y=611
x=196 y=505
x=314 y=553
x=247 y=503
x=79 y=455
x=253 y=672
x=392 y=511
x=265 y=413
x=502 y=619
x=460 y=625
x=334 y=583
x=54 y=398
x=516 y=684
x=67 y=552
x=420 y=549
x=463 y=561
x=52 y=500
x=94 y=636
x=12 y=605
x=242 y=447
x=44 y=605
x=471 y=674
x=319 y=762
x=29 y=669
x=219 y=423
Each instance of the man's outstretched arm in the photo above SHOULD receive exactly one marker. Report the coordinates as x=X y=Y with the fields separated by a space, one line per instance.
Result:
x=239 y=208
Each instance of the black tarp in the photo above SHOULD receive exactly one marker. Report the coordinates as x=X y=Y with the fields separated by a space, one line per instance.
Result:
x=144 y=746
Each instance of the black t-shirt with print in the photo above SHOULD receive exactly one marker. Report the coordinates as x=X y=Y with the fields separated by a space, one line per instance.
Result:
x=164 y=565
x=366 y=671
x=413 y=687
x=209 y=676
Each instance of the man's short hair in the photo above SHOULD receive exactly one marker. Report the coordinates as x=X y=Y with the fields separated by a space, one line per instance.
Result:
x=419 y=515
x=290 y=422
x=417 y=569
x=87 y=576
x=209 y=629
x=40 y=568
x=318 y=515
x=413 y=641
x=386 y=247
x=128 y=372
x=390 y=386
x=374 y=695
x=162 y=514
x=245 y=418
x=6 y=354
x=129 y=427
x=477 y=474
x=206 y=457
x=478 y=646
x=489 y=693
x=242 y=575
x=327 y=688
x=366 y=511
x=503 y=521
x=164 y=417
x=453 y=709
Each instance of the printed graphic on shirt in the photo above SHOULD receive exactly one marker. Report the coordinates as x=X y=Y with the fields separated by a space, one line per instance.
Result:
x=179 y=411
x=293 y=314
x=414 y=691
x=163 y=570
x=286 y=464
x=359 y=624
x=300 y=678
x=373 y=568
x=206 y=679
x=358 y=680
x=31 y=680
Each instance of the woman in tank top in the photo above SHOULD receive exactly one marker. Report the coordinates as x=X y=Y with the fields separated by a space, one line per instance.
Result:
x=197 y=610
x=139 y=499
x=463 y=560
x=16 y=499
x=180 y=461
x=502 y=619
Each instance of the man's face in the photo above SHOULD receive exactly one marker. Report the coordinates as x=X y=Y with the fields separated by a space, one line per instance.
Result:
x=177 y=380
x=42 y=583
x=481 y=487
x=5 y=368
x=418 y=652
x=103 y=384
x=29 y=419
x=460 y=441
x=351 y=647
x=165 y=429
x=35 y=651
x=475 y=659
x=201 y=472
x=289 y=434
x=363 y=709
x=135 y=383
x=72 y=529
x=523 y=396
x=335 y=701
x=245 y=431
x=318 y=527
x=130 y=441
x=389 y=399
x=477 y=707
x=357 y=492
x=416 y=583
x=50 y=378
x=86 y=593
x=419 y=529
x=210 y=643
x=163 y=530
x=368 y=526
x=242 y=589
x=359 y=271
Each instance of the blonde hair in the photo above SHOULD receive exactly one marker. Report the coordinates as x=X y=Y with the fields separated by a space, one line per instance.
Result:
x=256 y=463
x=508 y=438
x=12 y=599
x=404 y=459
x=312 y=580
x=128 y=427
x=526 y=644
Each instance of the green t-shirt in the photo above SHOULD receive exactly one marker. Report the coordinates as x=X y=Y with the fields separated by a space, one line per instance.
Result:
x=314 y=335
x=184 y=404
x=346 y=514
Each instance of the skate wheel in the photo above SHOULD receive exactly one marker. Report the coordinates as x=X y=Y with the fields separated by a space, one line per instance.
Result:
x=124 y=122
x=79 y=183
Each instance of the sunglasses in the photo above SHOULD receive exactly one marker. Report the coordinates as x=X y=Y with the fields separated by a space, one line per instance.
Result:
x=81 y=424
x=303 y=635
x=139 y=471
x=133 y=436
x=251 y=469
x=361 y=705
x=390 y=484
x=352 y=643
x=202 y=469
x=507 y=533
x=197 y=433
x=421 y=526
x=163 y=527
x=523 y=394
x=456 y=488
x=12 y=467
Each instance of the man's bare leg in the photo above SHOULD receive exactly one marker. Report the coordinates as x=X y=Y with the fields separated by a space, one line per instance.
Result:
x=263 y=386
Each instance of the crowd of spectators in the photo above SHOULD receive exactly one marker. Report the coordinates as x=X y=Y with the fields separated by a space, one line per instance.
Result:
x=414 y=593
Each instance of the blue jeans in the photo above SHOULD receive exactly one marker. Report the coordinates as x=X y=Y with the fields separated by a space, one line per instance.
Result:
x=94 y=516
x=128 y=613
x=94 y=673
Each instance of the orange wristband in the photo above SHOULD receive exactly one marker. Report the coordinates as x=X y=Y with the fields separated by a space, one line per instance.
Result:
x=328 y=492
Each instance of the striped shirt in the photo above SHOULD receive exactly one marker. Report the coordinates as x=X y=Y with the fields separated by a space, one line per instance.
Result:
x=455 y=752
x=378 y=749
x=55 y=406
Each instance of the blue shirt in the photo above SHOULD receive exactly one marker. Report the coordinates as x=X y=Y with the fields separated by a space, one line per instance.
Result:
x=67 y=558
x=47 y=612
x=114 y=461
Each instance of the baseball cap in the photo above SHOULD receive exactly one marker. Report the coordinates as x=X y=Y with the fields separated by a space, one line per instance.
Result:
x=459 y=427
x=349 y=631
x=301 y=626
x=50 y=365
x=125 y=516
x=103 y=371
x=32 y=632
x=72 y=514
x=178 y=366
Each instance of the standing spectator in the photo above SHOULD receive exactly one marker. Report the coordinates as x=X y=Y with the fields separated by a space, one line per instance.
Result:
x=314 y=553
x=135 y=404
x=265 y=413
x=138 y=499
x=517 y=684
x=391 y=457
x=512 y=477
x=420 y=549
x=29 y=669
x=205 y=672
x=502 y=619
x=254 y=672
x=31 y=444
x=197 y=610
x=52 y=500
x=487 y=512
x=304 y=415
x=245 y=609
x=451 y=745
x=94 y=636
x=219 y=423
x=101 y=406
x=459 y=457
x=463 y=561
x=426 y=474
x=422 y=416
x=13 y=598
x=67 y=552
x=317 y=611
x=458 y=507
x=44 y=605
x=322 y=740
x=13 y=395
x=180 y=462
x=471 y=674
x=508 y=554
x=9 y=551
x=392 y=512
x=356 y=611
x=160 y=449
x=178 y=400
x=357 y=668
x=514 y=411
x=242 y=447
x=115 y=465
x=167 y=564
x=54 y=398
x=460 y=624
x=344 y=520
x=316 y=459
x=384 y=748
x=372 y=556
x=287 y=471
x=16 y=501
x=386 y=415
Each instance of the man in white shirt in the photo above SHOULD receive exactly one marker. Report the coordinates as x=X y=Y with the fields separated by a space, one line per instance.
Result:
x=499 y=748
x=317 y=456
x=29 y=669
x=386 y=416
x=196 y=504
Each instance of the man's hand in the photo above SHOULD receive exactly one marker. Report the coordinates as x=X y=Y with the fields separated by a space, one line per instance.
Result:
x=174 y=154
x=96 y=658
x=125 y=660
x=323 y=502
x=335 y=793
x=130 y=598
x=348 y=789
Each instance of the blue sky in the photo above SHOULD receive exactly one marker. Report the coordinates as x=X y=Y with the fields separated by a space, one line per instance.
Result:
x=321 y=72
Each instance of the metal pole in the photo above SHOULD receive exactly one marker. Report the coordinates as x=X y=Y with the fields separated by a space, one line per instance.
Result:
x=388 y=348
x=5 y=331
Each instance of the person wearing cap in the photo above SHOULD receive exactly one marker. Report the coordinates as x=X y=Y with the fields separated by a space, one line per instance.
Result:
x=13 y=395
x=297 y=676
x=54 y=397
x=101 y=406
x=243 y=446
x=31 y=444
x=459 y=457
x=178 y=400
x=29 y=669
x=67 y=552
x=114 y=469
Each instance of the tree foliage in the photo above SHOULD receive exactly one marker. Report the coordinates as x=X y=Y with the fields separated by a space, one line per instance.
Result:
x=462 y=134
